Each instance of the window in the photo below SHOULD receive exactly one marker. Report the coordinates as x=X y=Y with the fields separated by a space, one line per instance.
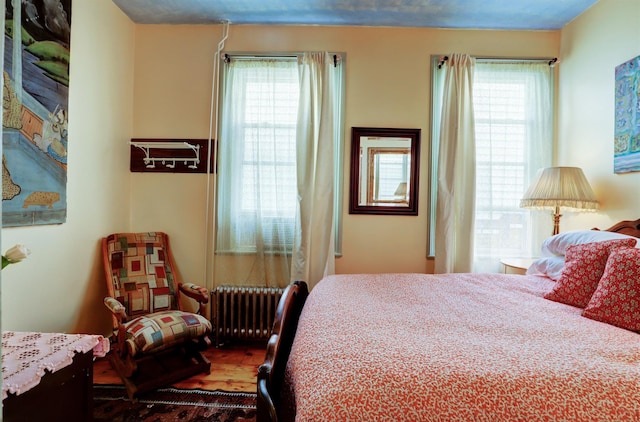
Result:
x=513 y=112
x=257 y=188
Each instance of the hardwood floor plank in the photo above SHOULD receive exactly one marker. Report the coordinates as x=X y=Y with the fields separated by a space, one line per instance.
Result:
x=233 y=368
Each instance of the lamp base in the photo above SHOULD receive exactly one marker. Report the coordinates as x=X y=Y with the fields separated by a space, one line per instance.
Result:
x=556 y=221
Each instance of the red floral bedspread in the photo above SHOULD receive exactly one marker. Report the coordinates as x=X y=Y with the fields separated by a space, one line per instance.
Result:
x=457 y=347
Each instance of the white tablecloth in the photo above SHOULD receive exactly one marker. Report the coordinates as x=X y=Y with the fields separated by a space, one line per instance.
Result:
x=27 y=357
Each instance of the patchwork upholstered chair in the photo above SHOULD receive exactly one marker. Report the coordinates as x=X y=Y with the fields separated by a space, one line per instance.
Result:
x=155 y=341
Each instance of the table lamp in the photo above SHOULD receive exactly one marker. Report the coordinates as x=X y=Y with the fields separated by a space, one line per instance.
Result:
x=555 y=187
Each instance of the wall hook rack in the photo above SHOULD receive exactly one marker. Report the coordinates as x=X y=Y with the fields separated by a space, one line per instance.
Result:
x=170 y=162
x=169 y=155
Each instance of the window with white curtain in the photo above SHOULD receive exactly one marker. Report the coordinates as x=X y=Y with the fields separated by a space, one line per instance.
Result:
x=257 y=190
x=513 y=109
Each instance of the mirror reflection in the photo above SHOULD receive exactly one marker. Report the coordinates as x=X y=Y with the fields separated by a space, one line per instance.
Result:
x=384 y=172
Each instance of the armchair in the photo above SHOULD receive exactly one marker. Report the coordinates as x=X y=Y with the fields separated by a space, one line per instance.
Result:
x=155 y=341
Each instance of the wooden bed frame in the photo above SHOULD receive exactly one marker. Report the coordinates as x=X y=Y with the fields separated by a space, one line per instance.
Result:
x=628 y=227
x=271 y=372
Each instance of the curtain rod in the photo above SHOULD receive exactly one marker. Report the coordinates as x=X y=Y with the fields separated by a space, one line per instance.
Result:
x=550 y=61
x=337 y=57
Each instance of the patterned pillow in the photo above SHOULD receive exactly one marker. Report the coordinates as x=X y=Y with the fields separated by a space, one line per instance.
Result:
x=584 y=265
x=617 y=299
x=154 y=332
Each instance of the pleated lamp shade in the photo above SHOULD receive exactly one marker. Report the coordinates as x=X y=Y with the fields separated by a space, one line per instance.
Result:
x=556 y=187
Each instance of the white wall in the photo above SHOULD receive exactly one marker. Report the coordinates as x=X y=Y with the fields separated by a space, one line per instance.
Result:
x=603 y=37
x=61 y=285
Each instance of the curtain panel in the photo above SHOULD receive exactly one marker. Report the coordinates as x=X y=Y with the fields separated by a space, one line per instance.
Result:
x=456 y=169
x=256 y=195
x=314 y=254
x=275 y=212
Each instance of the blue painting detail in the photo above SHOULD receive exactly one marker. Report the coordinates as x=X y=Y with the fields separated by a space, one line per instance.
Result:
x=627 y=117
x=34 y=121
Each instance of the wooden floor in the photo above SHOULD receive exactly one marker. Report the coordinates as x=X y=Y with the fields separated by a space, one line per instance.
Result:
x=233 y=368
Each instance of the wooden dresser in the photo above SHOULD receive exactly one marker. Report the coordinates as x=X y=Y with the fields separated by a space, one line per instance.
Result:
x=48 y=376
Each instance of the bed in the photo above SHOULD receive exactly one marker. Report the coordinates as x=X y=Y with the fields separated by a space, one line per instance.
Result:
x=464 y=347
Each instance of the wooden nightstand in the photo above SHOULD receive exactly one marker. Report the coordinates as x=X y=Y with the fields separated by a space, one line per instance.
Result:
x=516 y=265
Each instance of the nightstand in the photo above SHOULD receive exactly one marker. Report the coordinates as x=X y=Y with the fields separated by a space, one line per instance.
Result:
x=516 y=265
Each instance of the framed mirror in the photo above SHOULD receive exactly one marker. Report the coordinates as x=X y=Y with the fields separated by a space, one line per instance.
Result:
x=385 y=164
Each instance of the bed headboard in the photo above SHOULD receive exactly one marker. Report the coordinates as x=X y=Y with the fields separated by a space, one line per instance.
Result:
x=628 y=227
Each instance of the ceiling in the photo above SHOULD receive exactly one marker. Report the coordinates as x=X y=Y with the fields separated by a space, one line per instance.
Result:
x=459 y=14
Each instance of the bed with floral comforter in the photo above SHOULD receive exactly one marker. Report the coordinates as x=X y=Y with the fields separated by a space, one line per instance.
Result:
x=456 y=347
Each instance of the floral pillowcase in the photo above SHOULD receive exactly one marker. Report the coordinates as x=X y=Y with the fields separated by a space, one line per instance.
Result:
x=616 y=300
x=583 y=269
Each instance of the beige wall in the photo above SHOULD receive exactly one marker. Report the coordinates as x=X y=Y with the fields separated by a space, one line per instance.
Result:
x=60 y=287
x=387 y=85
x=596 y=42
x=155 y=81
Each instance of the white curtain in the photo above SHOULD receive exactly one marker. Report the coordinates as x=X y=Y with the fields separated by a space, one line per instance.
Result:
x=456 y=169
x=276 y=212
x=256 y=200
x=313 y=255
x=513 y=115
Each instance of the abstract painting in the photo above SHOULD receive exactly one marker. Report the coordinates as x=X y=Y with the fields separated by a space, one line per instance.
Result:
x=627 y=117
x=34 y=106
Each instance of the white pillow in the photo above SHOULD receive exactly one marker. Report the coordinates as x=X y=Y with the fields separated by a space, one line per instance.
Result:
x=549 y=266
x=557 y=245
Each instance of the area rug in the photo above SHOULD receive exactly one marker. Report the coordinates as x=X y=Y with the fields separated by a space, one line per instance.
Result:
x=110 y=403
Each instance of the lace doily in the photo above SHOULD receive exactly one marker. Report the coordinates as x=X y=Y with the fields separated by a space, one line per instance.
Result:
x=27 y=357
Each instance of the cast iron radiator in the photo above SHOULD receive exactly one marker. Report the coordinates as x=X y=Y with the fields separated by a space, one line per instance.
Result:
x=243 y=312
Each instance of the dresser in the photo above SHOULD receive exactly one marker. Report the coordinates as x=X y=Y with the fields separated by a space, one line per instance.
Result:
x=49 y=376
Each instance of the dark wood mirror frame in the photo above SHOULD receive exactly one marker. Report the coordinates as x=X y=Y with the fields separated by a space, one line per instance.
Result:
x=410 y=207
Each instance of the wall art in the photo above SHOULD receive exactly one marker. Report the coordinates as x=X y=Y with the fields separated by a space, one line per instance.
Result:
x=35 y=113
x=627 y=117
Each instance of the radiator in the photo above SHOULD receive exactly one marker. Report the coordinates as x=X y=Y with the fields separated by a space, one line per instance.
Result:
x=243 y=313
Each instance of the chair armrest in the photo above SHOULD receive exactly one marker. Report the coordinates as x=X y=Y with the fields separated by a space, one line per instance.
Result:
x=116 y=308
x=197 y=293
x=119 y=332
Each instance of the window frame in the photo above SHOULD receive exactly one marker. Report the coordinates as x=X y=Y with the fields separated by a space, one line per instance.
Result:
x=339 y=131
x=437 y=81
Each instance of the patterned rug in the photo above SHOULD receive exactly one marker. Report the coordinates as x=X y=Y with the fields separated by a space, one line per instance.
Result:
x=110 y=403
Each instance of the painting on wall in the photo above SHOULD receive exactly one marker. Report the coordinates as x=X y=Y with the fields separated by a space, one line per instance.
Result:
x=34 y=105
x=627 y=119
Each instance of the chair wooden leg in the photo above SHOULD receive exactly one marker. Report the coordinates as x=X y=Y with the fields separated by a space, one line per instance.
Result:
x=161 y=369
